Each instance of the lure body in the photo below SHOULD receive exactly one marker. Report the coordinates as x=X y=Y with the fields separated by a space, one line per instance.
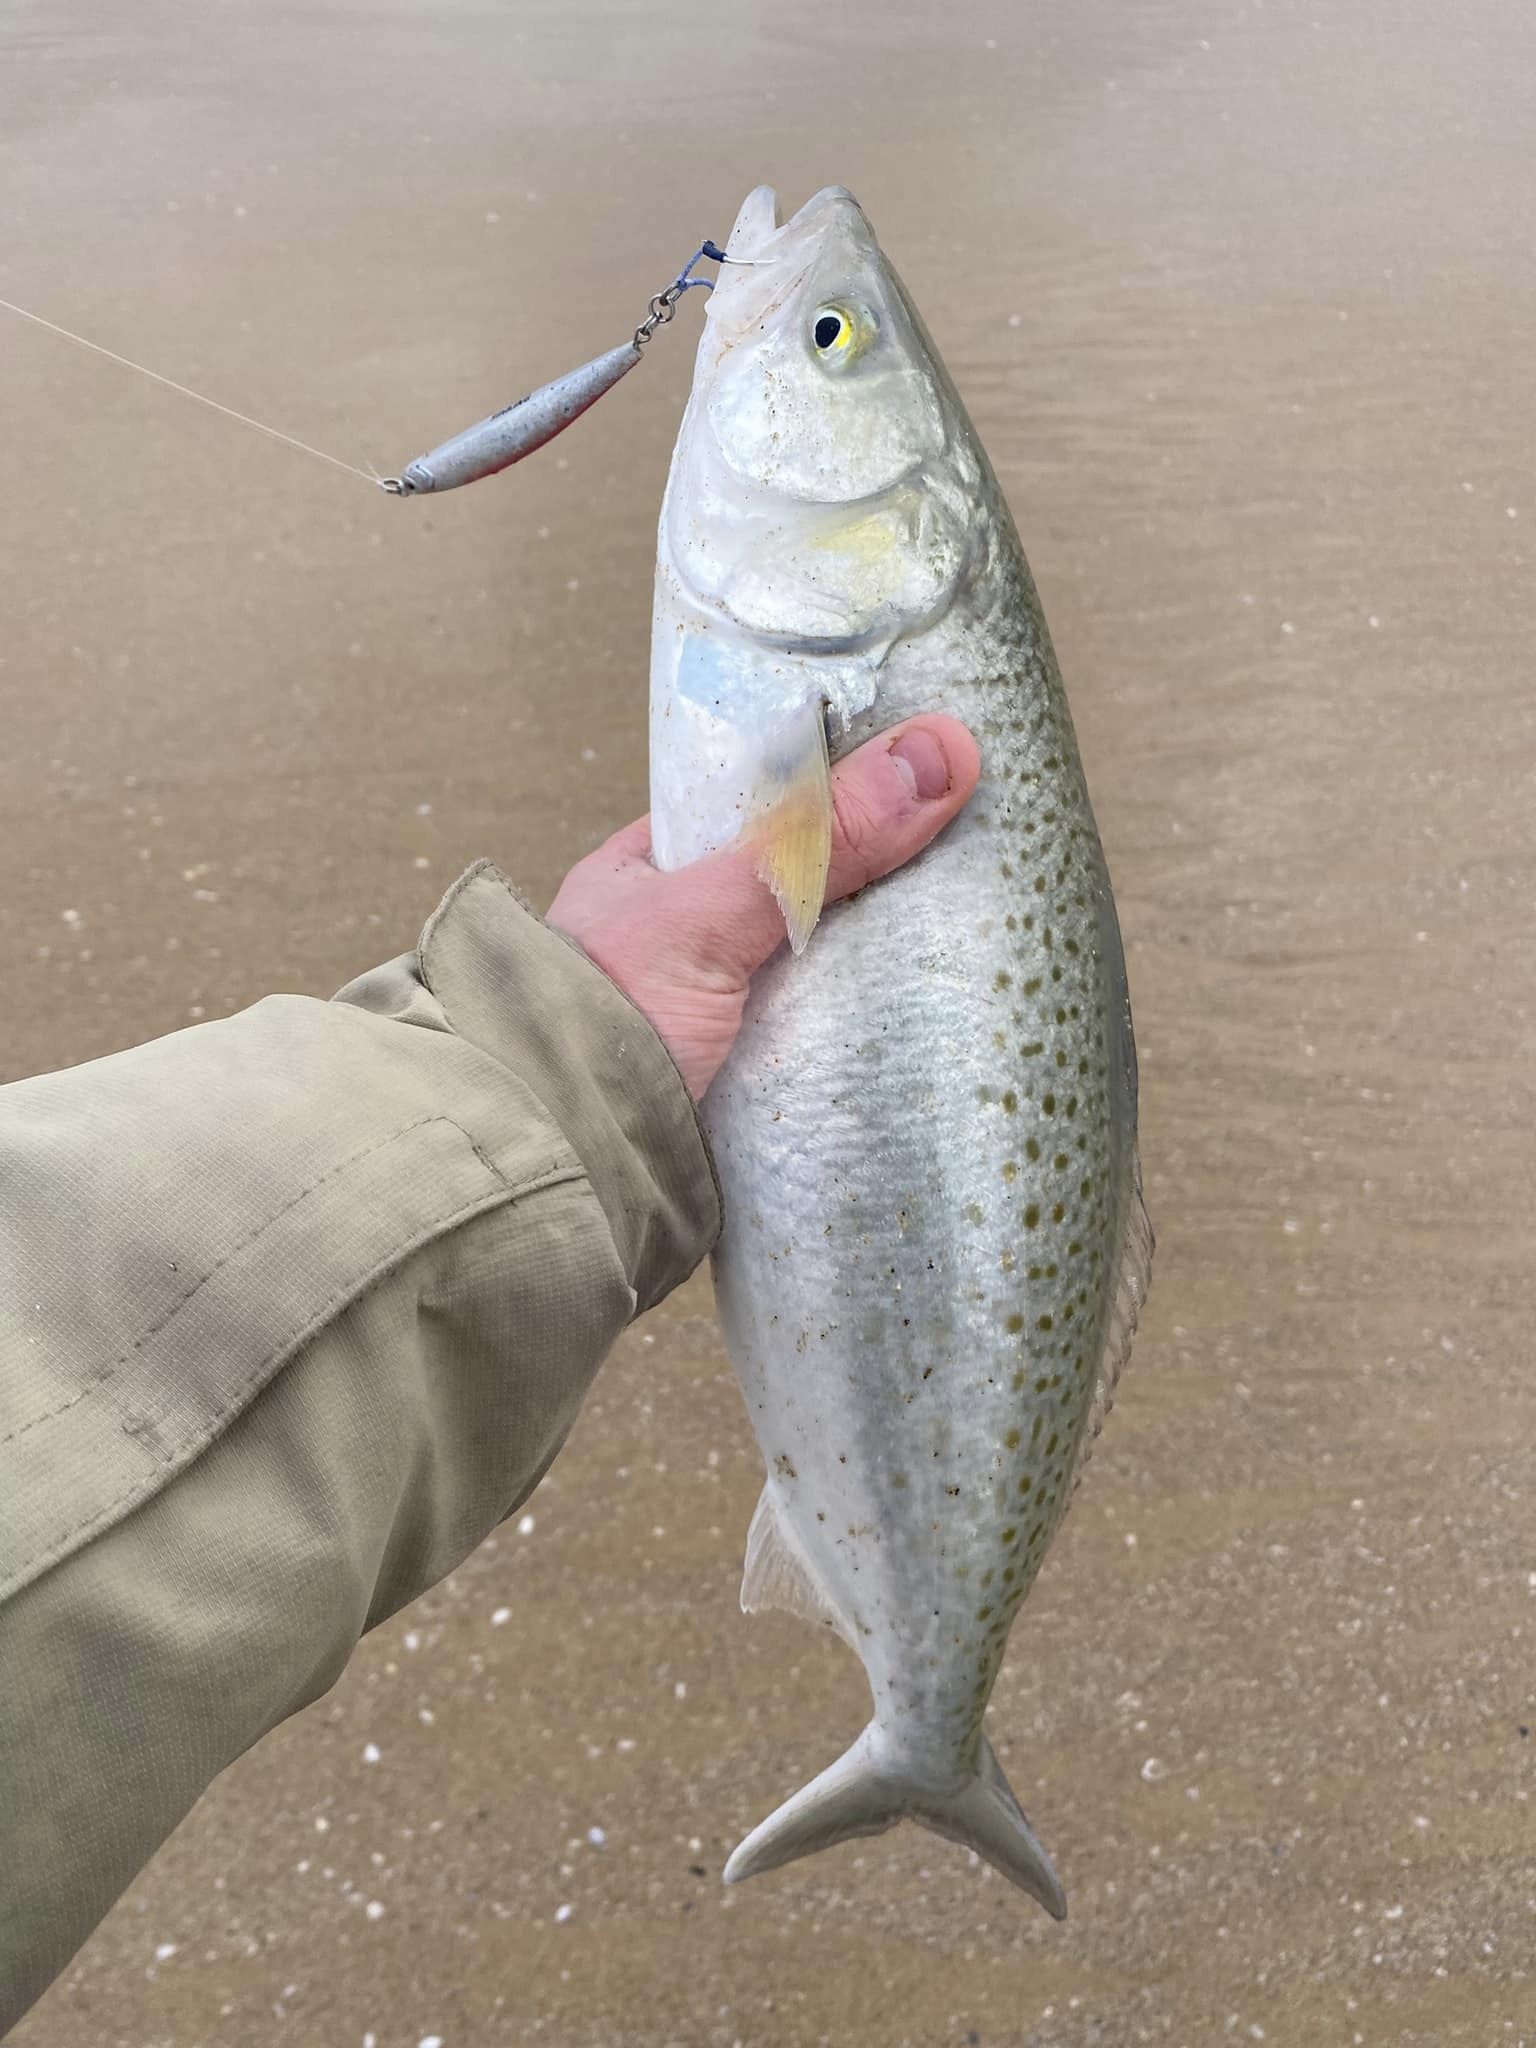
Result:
x=517 y=430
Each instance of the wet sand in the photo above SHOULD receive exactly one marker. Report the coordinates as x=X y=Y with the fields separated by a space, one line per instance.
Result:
x=1242 y=301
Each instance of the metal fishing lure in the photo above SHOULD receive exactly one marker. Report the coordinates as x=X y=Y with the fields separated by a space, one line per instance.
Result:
x=517 y=430
x=491 y=445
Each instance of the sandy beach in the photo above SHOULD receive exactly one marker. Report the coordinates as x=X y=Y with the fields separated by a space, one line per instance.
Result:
x=1241 y=299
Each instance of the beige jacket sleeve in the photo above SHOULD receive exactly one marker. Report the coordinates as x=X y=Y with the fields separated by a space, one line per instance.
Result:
x=294 y=1308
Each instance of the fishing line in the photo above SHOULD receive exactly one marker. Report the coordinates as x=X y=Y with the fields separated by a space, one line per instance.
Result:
x=495 y=443
x=492 y=444
x=186 y=391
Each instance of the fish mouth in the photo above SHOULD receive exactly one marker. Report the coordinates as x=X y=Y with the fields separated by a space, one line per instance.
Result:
x=769 y=259
x=758 y=225
x=757 y=220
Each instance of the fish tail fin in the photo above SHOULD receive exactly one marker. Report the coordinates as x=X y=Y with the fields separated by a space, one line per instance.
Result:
x=984 y=1815
x=865 y=1792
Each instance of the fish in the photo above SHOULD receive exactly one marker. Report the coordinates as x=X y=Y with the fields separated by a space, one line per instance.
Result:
x=935 y=1247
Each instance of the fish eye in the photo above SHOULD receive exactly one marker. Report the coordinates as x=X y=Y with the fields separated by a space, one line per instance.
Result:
x=839 y=333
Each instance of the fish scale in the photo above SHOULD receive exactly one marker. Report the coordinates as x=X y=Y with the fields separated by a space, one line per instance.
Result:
x=934 y=1245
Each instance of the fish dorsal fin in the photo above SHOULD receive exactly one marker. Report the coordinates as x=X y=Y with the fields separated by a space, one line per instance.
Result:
x=776 y=1575
x=1133 y=1274
x=790 y=830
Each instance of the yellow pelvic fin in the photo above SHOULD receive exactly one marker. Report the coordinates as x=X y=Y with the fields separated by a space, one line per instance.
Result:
x=790 y=829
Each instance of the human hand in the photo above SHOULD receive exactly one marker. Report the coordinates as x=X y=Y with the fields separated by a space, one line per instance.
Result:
x=684 y=946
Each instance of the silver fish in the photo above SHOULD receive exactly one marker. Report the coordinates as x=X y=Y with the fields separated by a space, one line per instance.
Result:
x=935 y=1245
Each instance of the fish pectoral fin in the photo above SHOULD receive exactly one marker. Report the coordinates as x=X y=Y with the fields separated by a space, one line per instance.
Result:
x=777 y=1576
x=789 y=827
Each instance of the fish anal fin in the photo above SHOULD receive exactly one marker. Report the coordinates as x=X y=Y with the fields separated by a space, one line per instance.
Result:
x=776 y=1575
x=790 y=827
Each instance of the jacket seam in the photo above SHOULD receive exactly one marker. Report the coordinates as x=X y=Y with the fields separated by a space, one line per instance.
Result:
x=207 y=1428
x=99 y=1375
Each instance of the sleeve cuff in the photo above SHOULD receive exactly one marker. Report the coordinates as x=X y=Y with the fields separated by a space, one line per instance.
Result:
x=500 y=978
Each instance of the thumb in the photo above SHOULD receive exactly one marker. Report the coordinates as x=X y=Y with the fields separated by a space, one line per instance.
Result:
x=894 y=794
x=890 y=797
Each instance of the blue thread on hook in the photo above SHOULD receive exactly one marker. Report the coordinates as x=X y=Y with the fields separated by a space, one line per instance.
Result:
x=685 y=281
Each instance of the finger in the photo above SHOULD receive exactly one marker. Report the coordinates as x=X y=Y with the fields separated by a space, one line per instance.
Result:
x=894 y=794
x=890 y=797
